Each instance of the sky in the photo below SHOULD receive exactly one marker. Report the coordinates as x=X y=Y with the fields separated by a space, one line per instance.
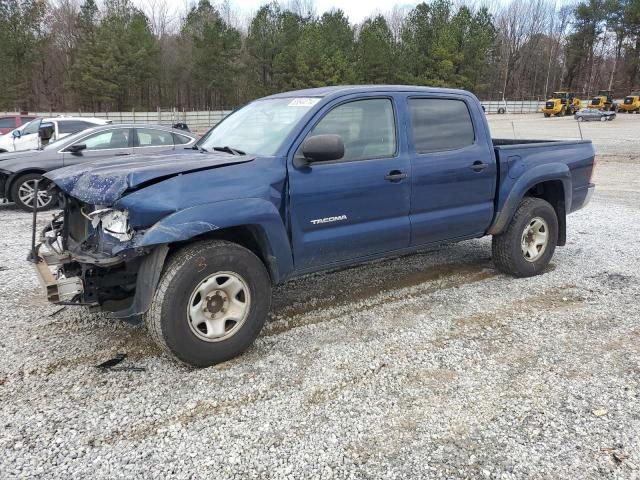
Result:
x=356 y=10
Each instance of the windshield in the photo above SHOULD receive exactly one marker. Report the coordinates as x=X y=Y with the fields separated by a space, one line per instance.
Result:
x=260 y=127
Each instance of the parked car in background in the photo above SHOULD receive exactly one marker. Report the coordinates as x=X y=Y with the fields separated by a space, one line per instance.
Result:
x=10 y=122
x=26 y=137
x=593 y=115
x=19 y=171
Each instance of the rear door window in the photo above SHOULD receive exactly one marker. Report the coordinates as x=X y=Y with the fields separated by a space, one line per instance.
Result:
x=440 y=124
x=148 y=137
x=180 y=139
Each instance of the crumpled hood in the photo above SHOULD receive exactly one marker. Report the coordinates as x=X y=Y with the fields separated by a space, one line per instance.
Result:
x=104 y=181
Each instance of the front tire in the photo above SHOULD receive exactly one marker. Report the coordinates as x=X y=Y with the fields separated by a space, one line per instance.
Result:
x=210 y=304
x=23 y=192
x=525 y=248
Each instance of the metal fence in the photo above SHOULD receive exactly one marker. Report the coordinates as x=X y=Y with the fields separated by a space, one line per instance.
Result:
x=197 y=121
x=512 y=106
x=203 y=120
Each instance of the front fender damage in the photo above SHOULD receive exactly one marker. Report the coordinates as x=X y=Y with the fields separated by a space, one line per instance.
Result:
x=146 y=283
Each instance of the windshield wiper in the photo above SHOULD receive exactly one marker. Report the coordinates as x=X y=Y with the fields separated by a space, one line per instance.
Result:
x=231 y=150
x=199 y=148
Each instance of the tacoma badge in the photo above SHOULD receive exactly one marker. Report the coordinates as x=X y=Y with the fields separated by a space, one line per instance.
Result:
x=329 y=219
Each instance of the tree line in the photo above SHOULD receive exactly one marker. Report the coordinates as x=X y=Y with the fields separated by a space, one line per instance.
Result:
x=67 y=55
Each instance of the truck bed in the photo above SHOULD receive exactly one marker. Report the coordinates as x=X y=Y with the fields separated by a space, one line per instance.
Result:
x=518 y=159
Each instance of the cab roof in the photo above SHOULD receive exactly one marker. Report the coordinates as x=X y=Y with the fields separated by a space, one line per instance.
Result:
x=339 y=90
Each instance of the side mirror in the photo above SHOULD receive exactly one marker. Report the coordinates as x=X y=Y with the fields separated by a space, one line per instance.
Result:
x=17 y=134
x=323 y=148
x=77 y=148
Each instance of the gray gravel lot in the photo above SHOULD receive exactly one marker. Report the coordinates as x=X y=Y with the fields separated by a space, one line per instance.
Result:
x=426 y=366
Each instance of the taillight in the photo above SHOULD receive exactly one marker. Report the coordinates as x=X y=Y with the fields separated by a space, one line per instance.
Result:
x=593 y=168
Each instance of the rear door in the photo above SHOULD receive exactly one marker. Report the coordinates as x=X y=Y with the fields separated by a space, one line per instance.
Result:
x=357 y=206
x=453 y=170
x=115 y=142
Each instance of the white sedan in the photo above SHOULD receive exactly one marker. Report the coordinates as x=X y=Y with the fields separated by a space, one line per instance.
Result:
x=26 y=136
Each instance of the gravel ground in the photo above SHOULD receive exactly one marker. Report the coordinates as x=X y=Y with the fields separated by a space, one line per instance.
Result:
x=426 y=366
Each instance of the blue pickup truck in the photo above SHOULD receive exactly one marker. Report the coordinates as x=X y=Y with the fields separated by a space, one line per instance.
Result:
x=298 y=182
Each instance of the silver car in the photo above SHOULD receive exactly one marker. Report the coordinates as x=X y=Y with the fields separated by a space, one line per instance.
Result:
x=19 y=171
x=594 y=115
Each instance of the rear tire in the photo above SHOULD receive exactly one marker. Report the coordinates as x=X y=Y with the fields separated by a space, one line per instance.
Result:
x=526 y=246
x=188 y=317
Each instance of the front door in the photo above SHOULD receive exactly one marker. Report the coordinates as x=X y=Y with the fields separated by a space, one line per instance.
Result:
x=28 y=140
x=357 y=206
x=115 y=142
x=453 y=170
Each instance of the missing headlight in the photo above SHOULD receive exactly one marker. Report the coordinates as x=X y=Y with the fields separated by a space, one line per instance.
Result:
x=114 y=223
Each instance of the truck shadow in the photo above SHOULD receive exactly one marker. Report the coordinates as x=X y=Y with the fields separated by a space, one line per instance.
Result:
x=372 y=284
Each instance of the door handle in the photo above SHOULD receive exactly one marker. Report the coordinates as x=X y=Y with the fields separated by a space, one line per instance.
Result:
x=395 y=176
x=478 y=166
x=122 y=154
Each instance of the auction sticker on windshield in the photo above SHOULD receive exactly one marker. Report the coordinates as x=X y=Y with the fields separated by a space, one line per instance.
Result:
x=303 y=102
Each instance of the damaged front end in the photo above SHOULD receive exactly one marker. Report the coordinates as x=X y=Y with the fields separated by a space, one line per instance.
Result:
x=87 y=255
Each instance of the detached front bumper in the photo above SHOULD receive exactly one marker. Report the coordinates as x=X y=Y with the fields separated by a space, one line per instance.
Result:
x=58 y=289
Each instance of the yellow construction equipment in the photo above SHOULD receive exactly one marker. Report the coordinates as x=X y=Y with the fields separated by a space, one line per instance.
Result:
x=631 y=103
x=603 y=101
x=562 y=103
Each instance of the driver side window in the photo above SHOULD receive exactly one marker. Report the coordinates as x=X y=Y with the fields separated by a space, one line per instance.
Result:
x=367 y=128
x=116 y=138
